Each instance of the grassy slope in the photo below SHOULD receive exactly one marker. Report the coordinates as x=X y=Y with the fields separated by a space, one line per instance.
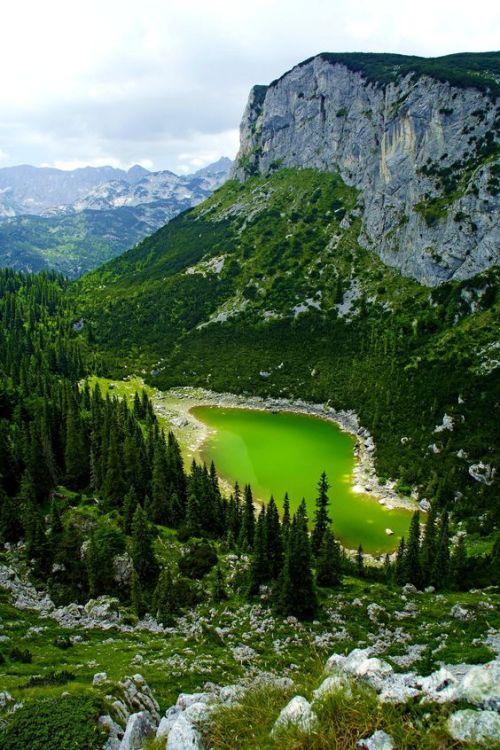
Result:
x=402 y=355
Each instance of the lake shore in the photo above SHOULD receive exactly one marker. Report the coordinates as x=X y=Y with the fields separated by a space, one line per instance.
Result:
x=176 y=404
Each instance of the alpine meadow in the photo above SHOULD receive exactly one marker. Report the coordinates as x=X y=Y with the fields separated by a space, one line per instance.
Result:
x=249 y=465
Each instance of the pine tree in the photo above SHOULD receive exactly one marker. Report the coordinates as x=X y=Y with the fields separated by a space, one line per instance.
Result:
x=247 y=532
x=329 y=567
x=136 y=597
x=193 y=527
x=92 y=562
x=429 y=544
x=441 y=568
x=360 y=562
x=75 y=452
x=399 y=572
x=142 y=549
x=295 y=593
x=113 y=487
x=322 y=520
x=164 y=599
x=130 y=503
x=274 y=541
x=219 y=592
x=411 y=569
x=260 y=570
x=458 y=565
x=285 y=525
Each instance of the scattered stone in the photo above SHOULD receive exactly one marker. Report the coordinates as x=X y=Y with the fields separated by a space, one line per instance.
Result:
x=460 y=613
x=114 y=730
x=297 y=713
x=99 y=678
x=185 y=700
x=183 y=736
x=167 y=721
x=482 y=727
x=199 y=714
x=138 y=696
x=140 y=726
x=333 y=684
x=379 y=740
x=481 y=686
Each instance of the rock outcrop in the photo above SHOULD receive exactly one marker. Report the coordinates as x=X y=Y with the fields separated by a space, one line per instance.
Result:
x=421 y=152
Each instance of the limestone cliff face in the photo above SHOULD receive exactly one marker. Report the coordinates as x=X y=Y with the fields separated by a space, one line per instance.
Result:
x=421 y=152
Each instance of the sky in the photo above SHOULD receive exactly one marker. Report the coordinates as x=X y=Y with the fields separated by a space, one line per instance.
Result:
x=164 y=84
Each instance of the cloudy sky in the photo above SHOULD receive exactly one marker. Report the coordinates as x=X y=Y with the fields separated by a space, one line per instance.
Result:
x=164 y=83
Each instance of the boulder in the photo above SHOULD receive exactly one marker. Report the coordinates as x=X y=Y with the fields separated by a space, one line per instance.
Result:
x=379 y=740
x=199 y=714
x=481 y=686
x=187 y=699
x=103 y=608
x=297 y=713
x=167 y=721
x=231 y=694
x=99 y=678
x=5 y=699
x=139 y=727
x=138 y=696
x=183 y=736
x=114 y=730
x=482 y=727
x=332 y=684
x=440 y=686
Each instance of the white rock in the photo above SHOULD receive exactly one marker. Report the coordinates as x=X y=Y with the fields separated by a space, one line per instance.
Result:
x=482 y=727
x=440 y=686
x=379 y=740
x=99 y=678
x=199 y=714
x=139 y=727
x=460 y=613
x=167 y=721
x=481 y=685
x=333 y=684
x=183 y=736
x=187 y=699
x=297 y=713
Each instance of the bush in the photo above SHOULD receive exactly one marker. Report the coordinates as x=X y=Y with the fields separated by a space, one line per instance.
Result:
x=51 y=678
x=199 y=560
x=54 y=724
x=23 y=656
x=63 y=642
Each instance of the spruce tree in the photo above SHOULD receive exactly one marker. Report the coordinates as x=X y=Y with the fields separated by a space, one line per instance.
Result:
x=441 y=568
x=429 y=546
x=130 y=503
x=329 y=567
x=295 y=593
x=260 y=570
x=412 y=573
x=285 y=525
x=164 y=599
x=274 y=539
x=219 y=593
x=193 y=527
x=458 y=565
x=247 y=532
x=142 y=549
x=360 y=562
x=399 y=570
x=136 y=597
x=322 y=520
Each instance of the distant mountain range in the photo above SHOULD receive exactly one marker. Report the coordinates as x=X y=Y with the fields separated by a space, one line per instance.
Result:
x=75 y=220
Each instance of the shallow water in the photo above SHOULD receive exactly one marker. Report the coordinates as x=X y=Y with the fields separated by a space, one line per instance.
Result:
x=286 y=452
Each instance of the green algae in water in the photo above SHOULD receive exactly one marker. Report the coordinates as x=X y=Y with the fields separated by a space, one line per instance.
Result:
x=286 y=452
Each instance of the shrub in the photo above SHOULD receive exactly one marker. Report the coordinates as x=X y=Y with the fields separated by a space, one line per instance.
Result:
x=199 y=560
x=51 y=678
x=63 y=642
x=24 y=656
x=61 y=723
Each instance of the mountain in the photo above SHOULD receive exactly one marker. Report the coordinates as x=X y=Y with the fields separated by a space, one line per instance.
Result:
x=418 y=138
x=108 y=211
x=272 y=286
x=33 y=190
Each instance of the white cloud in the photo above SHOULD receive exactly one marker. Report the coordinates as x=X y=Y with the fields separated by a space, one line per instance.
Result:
x=124 y=81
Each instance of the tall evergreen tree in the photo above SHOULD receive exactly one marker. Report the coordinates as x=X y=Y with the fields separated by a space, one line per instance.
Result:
x=329 y=567
x=142 y=549
x=429 y=546
x=260 y=570
x=322 y=520
x=360 y=562
x=458 y=565
x=412 y=572
x=399 y=569
x=441 y=568
x=247 y=532
x=274 y=539
x=295 y=593
x=164 y=599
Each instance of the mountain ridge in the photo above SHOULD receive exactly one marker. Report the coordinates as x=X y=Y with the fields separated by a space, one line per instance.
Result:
x=430 y=182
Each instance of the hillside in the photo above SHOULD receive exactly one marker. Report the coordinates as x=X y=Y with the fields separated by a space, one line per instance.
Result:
x=264 y=289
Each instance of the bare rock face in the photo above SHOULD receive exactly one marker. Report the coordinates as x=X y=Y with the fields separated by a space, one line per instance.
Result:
x=398 y=144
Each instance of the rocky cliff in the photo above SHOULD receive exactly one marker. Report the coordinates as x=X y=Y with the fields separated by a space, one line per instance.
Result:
x=422 y=150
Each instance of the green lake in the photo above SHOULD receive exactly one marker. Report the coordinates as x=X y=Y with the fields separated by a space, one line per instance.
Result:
x=286 y=452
